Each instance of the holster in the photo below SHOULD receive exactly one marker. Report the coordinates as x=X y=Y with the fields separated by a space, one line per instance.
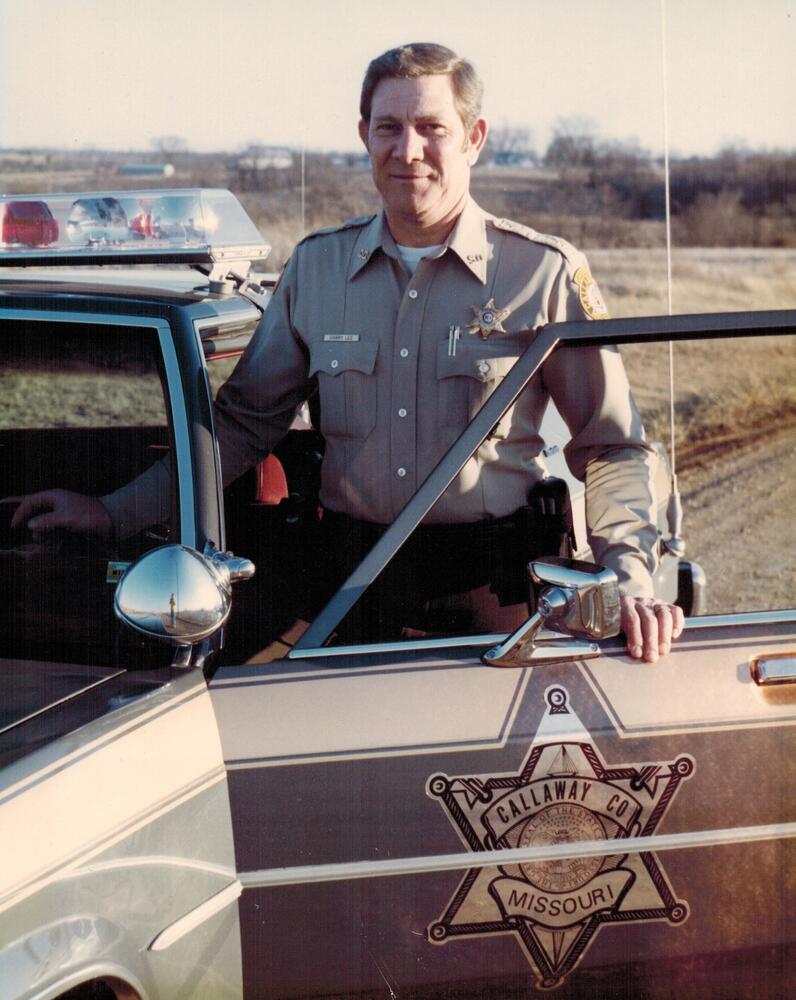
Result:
x=543 y=527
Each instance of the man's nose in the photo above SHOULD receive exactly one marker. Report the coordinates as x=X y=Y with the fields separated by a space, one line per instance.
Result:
x=409 y=146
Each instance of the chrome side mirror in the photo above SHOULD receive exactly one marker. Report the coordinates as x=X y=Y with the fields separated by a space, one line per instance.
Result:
x=177 y=595
x=577 y=598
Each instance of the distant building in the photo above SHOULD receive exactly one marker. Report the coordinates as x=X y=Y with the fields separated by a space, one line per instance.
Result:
x=13 y=159
x=275 y=157
x=147 y=170
x=350 y=161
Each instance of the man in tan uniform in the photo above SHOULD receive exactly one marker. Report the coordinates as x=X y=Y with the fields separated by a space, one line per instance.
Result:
x=407 y=320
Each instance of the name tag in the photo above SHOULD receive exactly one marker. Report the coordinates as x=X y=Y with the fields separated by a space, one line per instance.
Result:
x=341 y=338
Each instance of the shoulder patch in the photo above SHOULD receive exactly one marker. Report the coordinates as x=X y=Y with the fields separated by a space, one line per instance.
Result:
x=358 y=222
x=566 y=249
x=589 y=294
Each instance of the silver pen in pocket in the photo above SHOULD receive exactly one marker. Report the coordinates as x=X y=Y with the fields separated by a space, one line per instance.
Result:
x=454 y=333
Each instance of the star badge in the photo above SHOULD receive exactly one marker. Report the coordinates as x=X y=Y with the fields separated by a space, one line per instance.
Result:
x=488 y=319
x=563 y=793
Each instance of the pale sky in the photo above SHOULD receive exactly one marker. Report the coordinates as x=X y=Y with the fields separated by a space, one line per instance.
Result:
x=116 y=73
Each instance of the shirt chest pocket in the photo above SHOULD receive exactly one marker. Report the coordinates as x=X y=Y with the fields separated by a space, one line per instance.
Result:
x=347 y=386
x=466 y=378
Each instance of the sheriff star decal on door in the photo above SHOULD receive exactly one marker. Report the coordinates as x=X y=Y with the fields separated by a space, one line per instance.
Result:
x=563 y=793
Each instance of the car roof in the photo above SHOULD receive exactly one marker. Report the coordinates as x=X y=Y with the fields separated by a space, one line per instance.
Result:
x=146 y=282
x=142 y=285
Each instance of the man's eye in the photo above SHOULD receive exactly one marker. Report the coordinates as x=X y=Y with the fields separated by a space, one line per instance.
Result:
x=435 y=128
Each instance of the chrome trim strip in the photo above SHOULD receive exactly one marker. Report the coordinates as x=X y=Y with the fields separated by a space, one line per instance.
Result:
x=182 y=438
x=302 y=874
x=742 y=618
x=413 y=645
x=190 y=921
x=198 y=326
x=408 y=645
x=179 y=417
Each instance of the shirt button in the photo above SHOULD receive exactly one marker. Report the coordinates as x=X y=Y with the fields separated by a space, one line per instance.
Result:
x=404 y=352
x=413 y=293
x=401 y=472
x=402 y=412
x=483 y=368
x=334 y=363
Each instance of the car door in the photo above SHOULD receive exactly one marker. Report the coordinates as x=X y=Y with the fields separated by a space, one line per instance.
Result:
x=117 y=870
x=411 y=821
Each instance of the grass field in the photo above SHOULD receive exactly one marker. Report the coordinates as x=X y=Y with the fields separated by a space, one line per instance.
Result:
x=724 y=390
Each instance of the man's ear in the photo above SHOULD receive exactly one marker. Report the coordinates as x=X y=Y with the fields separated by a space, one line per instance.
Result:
x=476 y=140
x=363 y=132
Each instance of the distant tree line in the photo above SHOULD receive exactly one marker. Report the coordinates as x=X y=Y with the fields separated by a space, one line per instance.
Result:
x=597 y=191
x=738 y=197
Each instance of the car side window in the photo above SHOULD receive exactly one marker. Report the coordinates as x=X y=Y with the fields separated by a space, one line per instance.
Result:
x=83 y=407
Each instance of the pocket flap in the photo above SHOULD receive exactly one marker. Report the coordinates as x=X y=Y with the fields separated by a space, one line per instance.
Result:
x=476 y=361
x=336 y=357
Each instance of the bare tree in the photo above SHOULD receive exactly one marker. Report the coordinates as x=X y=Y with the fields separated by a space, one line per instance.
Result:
x=573 y=144
x=509 y=144
x=167 y=145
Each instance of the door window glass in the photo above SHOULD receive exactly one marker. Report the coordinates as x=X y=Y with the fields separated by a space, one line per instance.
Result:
x=82 y=408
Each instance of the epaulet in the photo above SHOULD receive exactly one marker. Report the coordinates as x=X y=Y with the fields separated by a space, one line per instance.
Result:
x=572 y=254
x=356 y=223
x=589 y=294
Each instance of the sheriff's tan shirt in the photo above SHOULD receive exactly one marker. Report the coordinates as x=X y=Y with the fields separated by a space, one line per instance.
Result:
x=395 y=393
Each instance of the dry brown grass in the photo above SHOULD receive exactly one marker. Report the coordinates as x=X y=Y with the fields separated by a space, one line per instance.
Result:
x=79 y=399
x=704 y=279
x=725 y=391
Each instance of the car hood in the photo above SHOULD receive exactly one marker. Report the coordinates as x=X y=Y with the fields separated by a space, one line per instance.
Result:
x=30 y=689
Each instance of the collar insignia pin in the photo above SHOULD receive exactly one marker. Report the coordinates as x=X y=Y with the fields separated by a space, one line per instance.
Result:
x=488 y=319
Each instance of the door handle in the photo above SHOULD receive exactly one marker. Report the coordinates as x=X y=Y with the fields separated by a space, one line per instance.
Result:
x=774 y=668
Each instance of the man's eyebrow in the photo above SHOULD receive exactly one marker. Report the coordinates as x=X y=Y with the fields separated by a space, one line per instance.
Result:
x=425 y=116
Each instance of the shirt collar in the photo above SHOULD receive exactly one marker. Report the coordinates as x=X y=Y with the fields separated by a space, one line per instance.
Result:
x=375 y=236
x=467 y=240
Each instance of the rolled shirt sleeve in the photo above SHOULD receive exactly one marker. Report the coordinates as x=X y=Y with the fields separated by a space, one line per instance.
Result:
x=608 y=449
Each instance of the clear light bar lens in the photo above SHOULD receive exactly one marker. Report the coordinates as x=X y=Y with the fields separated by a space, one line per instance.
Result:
x=115 y=222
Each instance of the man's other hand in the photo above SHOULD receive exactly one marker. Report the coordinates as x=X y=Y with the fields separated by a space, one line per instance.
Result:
x=650 y=626
x=61 y=510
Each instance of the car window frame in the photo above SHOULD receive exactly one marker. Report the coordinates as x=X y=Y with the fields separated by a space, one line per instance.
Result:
x=174 y=407
x=691 y=326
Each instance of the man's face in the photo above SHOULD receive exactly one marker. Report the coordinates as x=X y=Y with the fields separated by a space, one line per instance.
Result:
x=419 y=151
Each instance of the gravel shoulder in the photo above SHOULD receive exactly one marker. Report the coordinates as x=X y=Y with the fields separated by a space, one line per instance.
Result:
x=740 y=521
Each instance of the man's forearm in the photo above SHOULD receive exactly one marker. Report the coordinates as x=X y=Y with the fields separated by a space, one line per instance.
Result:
x=620 y=516
x=140 y=503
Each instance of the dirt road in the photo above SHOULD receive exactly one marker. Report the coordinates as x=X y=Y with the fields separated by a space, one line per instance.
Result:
x=740 y=520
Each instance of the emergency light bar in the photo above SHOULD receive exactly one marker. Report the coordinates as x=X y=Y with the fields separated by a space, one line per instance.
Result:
x=175 y=226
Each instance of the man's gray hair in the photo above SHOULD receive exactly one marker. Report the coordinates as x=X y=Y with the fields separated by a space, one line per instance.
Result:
x=426 y=59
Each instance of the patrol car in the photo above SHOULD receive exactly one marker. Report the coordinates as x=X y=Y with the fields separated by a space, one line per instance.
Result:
x=202 y=795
